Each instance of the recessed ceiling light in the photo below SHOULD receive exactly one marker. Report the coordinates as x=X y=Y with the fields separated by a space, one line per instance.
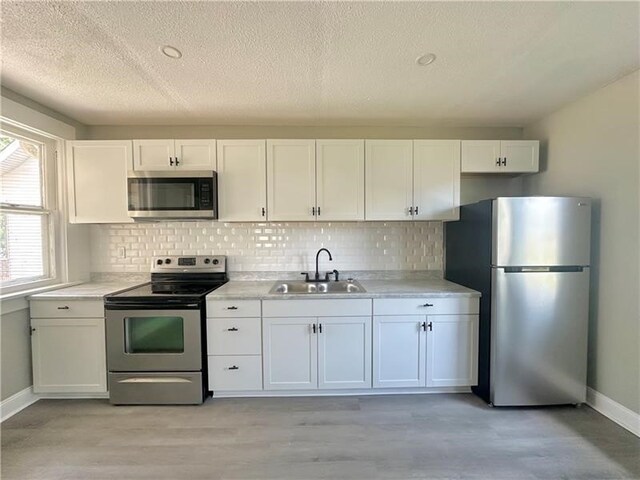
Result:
x=171 y=52
x=426 y=59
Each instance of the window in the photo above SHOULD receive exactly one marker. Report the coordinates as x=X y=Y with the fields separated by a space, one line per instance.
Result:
x=26 y=218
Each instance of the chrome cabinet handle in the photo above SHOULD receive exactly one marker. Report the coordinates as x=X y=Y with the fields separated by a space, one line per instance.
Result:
x=416 y=211
x=319 y=328
x=430 y=325
x=423 y=325
x=63 y=308
x=233 y=307
x=313 y=211
x=234 y=367
x=504 y=162
x=171 y=161
x=177 y=162
x=498 y=161
x=427 y=305
x=410 y=211
x=232 y=329
x=313 y=328
x=264 y=211
x=318 y=211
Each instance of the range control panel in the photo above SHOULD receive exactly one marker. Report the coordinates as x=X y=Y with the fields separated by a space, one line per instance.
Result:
x=192 y=263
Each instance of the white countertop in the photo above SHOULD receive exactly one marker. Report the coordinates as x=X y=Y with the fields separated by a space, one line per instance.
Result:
x=237 y=289
x=84 y=291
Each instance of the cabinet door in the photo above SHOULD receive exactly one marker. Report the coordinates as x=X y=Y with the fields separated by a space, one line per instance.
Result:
x=344 y=352
x=290 y=353
x=291 y=180
x=68 y=355
x=97 y=176
x=519 y=155
x=452 y=350
x=153 y=155
x=242 y=180
x=388 y=185
x=340 y=179
x=436 y=179
x=398 y=351
x=195 y=154
x=480 y=156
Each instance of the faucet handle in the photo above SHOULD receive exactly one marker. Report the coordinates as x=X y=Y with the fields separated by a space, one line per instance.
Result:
x=306 y=276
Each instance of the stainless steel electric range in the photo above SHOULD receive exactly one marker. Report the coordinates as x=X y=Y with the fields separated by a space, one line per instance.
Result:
x=156 y=333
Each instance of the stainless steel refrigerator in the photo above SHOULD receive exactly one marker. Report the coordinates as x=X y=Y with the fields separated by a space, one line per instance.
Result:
x=529 y=257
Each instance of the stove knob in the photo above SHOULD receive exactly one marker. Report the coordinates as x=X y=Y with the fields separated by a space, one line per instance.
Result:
x=207 y=261
x=159 y=262
x=216 y=261
x=167 y=261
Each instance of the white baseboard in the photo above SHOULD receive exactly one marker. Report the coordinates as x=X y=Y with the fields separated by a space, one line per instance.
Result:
x=17 y=402
x=614 y=411
x=340 y=392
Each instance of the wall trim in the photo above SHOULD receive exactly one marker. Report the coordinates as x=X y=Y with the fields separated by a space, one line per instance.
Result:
x=611 y=409
x=17 y=402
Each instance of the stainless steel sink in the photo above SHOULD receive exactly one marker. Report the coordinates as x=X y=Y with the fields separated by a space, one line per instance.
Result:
x=300 y=287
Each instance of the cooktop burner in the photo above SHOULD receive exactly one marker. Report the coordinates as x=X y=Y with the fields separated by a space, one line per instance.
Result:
x=176 y=279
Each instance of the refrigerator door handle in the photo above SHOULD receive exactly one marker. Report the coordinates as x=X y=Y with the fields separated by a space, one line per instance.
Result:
x=543 y=269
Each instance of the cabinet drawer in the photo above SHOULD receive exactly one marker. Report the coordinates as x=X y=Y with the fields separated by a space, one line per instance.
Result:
x=234 y=336
x=232 y=372
x=425 y=306
x=233 y=308
x=316 y=308
x=67 y=308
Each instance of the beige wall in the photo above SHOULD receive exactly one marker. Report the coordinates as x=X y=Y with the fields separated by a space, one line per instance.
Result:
x=591 y=148
x=116 y=132
x=15 y=353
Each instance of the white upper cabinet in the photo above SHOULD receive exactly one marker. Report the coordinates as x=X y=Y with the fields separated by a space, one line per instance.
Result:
x=496 y=156
x=520 y=156
x=291 y=180
x=242 y=180
x=340 y=180
x=195 y=154
x=157 y=155
x=389 y=179
x=436 y=179
x=97 y=181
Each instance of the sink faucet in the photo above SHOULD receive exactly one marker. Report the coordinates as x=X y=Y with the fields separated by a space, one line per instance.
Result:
x=317 y=277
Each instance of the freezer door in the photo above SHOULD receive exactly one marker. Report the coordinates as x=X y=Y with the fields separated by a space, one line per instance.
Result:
x=539 y=337
x=541 y=231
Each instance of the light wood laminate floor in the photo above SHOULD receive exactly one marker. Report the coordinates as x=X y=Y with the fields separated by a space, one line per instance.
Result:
x=386 y=437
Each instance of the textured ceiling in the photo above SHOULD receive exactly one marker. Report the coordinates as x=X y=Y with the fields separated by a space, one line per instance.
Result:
x=502 y=64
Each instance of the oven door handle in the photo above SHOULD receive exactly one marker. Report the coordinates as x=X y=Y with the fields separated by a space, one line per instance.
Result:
x=142 y=379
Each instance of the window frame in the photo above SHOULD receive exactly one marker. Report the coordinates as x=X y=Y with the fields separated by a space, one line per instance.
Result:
x=49 y=210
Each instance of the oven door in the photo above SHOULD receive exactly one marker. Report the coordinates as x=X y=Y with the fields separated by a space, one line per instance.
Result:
x=141 y=340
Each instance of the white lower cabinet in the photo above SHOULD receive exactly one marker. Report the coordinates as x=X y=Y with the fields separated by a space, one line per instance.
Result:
x=437 y=349
x=398 y=351
x=290 y=347
x=234 y=345
x=68 y=355
x=452 y=350
x=329 y=350
x=344 y=352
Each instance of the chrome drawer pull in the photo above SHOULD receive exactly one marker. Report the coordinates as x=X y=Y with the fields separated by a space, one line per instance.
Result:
x=427 y=305
x=63 y=308
x=234 y=368
x=232 y=329
x=232 y=308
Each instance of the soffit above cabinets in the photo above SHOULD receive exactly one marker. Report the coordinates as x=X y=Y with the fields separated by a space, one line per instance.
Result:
x=314 y=63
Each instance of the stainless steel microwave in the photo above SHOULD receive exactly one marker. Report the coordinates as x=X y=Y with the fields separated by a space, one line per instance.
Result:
x=176 y=195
